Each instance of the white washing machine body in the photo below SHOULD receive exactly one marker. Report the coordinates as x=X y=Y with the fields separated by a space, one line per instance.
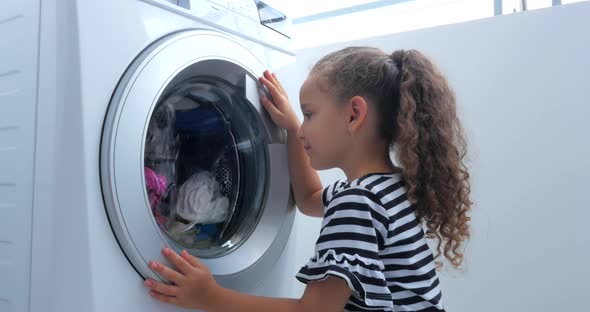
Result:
x=103 y=69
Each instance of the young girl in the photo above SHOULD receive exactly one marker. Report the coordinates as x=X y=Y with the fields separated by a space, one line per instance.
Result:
x=360 y=106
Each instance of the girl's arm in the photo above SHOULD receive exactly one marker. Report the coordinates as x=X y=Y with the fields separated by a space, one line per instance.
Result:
x=194 y=287
x=328 y=295
x=307 y=187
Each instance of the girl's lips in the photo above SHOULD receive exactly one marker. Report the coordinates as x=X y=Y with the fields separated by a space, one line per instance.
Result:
x=307 y=147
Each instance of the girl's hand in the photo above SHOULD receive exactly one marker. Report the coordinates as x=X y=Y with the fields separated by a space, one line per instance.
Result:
x=193 y=284
x=280 y=111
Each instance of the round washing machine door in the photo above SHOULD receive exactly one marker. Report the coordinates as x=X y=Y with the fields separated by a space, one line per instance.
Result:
x=190 y=160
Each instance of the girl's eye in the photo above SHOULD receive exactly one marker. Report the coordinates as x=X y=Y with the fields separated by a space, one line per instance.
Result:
x=307 y=115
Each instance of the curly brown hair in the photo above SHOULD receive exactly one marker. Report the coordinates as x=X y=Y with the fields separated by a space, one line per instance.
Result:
x=418 y=117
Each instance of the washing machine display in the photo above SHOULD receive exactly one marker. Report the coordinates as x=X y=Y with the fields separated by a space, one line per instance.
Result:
x=205 y=166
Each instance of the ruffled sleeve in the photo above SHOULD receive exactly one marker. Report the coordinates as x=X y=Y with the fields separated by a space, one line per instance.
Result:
x=330 y=191
x=348 y=248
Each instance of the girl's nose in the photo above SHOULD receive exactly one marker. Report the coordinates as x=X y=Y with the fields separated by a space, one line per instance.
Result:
x=300 y=132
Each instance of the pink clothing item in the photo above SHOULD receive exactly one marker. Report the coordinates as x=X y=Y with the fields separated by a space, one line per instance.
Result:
x=156 y=186
x=160 y=219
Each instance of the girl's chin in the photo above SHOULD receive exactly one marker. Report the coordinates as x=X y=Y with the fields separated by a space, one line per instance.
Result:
x=319 y=166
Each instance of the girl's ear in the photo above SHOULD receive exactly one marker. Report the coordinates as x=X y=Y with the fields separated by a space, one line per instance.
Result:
x=357 y=113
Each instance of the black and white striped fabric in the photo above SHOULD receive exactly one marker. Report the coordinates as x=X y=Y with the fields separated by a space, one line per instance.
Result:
x=371 y=238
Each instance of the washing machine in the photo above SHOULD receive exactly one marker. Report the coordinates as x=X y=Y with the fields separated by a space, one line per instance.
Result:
x=139 y=127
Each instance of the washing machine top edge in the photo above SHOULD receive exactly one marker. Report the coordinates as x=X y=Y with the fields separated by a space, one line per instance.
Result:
x=253 y=20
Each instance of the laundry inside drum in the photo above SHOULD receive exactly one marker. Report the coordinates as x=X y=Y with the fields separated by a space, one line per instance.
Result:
x=193 y=164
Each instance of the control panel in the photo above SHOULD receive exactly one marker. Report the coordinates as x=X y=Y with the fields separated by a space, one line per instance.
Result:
x=258 y=20
x=246 y=8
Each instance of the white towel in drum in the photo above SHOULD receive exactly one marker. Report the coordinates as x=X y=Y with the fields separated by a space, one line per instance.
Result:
x=200 y=200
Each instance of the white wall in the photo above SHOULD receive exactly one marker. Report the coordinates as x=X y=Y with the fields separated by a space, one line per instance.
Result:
x=522 y=84
x=396 y=18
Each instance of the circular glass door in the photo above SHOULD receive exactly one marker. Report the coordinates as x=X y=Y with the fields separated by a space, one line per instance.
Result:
x=206 y=166
x=191 y=160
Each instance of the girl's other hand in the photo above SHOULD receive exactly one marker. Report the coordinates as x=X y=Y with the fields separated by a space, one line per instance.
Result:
x=280 y=111
x=192 y=284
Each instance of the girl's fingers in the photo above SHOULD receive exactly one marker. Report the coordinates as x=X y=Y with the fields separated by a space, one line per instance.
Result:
x=272 y=109
x=161 y=287
x=177 y=260
x=268 y=75
x=278 y=83
x=194 y=261
x=166 y=272
x=273 y=79
x=274 y=92
x=164 y=298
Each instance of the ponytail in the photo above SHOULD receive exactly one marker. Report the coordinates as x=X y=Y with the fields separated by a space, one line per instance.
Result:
x=431 y=148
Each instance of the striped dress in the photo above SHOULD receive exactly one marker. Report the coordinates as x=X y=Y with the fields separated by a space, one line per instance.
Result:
x=371 y=238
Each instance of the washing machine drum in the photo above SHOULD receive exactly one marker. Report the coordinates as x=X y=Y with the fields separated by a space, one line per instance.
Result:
x=192 y=166
x=190 y=160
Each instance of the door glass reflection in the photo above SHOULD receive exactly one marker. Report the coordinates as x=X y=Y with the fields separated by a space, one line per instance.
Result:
x=202 y=140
